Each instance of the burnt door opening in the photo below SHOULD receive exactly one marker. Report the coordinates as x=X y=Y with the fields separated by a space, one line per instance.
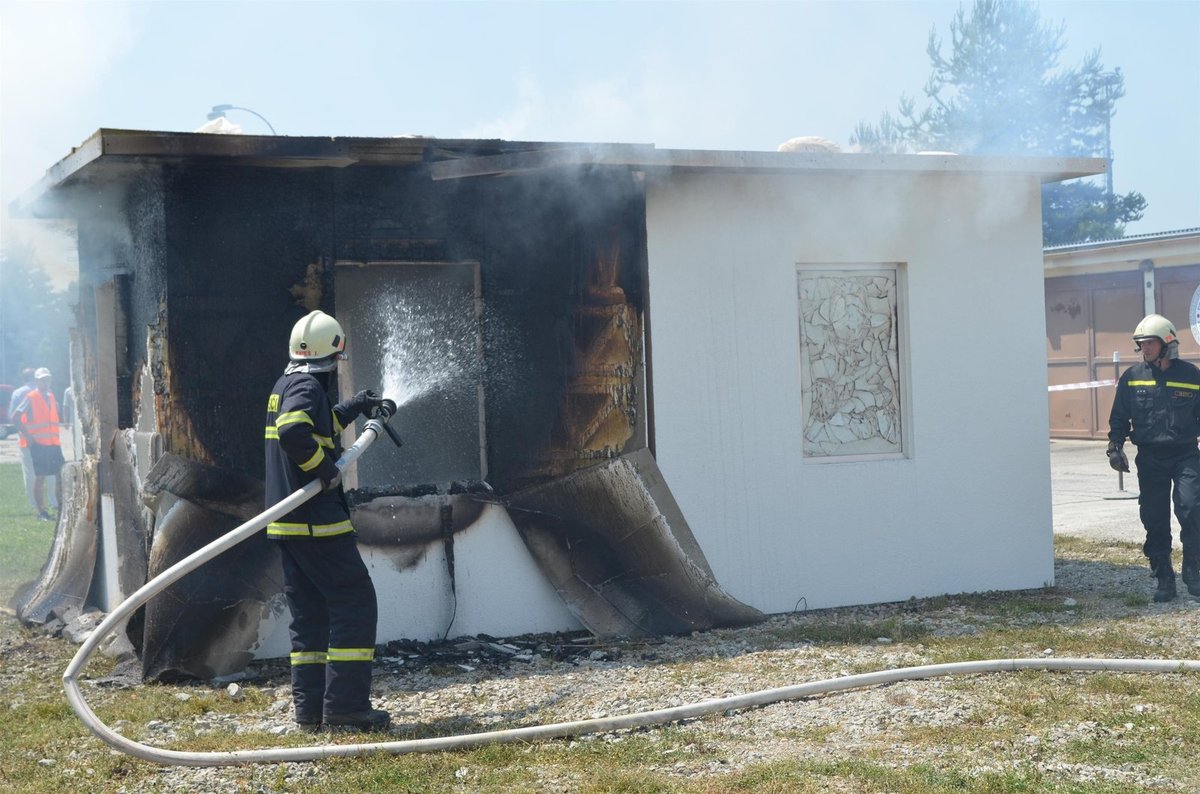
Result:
x=413 y=334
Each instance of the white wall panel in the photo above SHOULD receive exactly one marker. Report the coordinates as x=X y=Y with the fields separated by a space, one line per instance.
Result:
x=969 y=508
x=500 y=591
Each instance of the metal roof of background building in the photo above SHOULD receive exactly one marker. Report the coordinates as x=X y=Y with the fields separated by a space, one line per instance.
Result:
x=1159 y=249
x=1127 y=240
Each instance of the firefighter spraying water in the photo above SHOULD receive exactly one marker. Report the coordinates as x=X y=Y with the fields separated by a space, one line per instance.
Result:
x=328 y=588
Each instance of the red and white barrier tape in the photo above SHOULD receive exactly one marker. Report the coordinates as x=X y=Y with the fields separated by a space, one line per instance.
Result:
x=1091 y=384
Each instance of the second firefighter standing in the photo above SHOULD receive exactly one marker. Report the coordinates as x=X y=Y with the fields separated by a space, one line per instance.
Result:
x=1157 y=407
x=327 y=585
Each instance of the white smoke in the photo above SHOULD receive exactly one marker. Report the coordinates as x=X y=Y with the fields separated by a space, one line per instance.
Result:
x=53 y=57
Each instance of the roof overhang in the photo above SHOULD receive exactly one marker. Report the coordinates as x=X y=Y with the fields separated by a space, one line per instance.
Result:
x=110 y=155
x=647 y=157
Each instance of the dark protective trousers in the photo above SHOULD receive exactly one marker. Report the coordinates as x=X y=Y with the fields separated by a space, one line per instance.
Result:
x=1157 y=469
x=334 y=612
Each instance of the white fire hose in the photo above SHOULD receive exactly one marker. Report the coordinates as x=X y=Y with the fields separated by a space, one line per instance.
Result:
x=528 y=734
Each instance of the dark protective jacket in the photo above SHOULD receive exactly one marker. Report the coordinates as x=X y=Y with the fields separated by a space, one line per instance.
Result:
x=1163 y=408
x=302 y=432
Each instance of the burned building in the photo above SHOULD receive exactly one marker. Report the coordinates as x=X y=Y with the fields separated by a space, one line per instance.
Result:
x=642 y=391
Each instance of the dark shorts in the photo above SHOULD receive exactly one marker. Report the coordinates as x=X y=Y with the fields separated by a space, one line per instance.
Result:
x=47 y=459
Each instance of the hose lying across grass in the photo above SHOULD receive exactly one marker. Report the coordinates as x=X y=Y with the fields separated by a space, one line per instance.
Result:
x=526 y=734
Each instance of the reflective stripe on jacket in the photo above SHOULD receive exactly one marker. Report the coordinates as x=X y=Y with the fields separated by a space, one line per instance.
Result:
x=301 y=431
x=40 y=418
x=1153 y=407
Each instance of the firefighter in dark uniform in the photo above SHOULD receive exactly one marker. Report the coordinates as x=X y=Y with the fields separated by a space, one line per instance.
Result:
x=328 y=588
x=1157 y=406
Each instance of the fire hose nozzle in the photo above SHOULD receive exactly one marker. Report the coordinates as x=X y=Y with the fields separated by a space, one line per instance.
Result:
x=383 y=412
x=386 y=409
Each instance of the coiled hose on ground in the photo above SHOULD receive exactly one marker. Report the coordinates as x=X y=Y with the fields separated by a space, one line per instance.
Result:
x=527 y=734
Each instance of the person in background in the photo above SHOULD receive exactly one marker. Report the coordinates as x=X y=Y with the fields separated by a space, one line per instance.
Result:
x=38 y=424
x=14 y=402
x=328 y=588
x=1157 y=407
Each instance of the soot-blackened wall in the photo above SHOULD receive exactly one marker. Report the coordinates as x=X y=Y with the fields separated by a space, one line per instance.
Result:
x=554 y=248
x=239 y=238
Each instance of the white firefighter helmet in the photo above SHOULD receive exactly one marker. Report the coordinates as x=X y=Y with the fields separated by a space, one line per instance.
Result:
x=1155 y=326
x=317 y=343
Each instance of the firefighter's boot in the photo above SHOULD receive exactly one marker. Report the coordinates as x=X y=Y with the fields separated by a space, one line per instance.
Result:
x=1166 y=580
x=367 y=721
x=1191 y=574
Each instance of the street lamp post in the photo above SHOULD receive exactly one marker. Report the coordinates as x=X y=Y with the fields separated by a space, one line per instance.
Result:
x=219 y=111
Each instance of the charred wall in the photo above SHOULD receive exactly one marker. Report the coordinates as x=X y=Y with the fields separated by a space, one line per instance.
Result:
x=239 y=239
x=242 y=241
x=122 y=283
x=539 y=239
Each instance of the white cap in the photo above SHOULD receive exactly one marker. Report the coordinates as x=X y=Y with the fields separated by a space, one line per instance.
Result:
x=42 y=372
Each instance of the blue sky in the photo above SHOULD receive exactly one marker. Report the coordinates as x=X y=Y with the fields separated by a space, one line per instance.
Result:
x=729 y=75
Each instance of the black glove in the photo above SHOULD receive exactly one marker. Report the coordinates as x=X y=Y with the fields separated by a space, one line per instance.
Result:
x=1116 y=457
x=329 y=473
x=364 y=402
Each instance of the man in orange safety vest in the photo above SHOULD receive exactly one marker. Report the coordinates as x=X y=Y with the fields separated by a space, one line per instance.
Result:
x=38 y=424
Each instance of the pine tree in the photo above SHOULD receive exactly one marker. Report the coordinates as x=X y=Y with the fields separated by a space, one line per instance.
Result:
x=1001 y=92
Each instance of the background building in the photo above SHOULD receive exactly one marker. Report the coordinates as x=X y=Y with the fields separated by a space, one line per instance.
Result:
x=1096 y=294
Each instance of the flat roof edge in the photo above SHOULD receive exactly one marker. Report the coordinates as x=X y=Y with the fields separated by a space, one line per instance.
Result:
x=1049 y=169
x=25 y=205
x=452 y=158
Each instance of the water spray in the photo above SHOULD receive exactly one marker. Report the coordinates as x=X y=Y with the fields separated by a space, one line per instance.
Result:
x=378 y=424
x=422 y=342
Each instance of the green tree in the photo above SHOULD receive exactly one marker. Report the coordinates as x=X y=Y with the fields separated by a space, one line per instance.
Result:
x=1001 y=92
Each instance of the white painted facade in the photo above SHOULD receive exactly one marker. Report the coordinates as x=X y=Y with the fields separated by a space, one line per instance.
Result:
x=967 y=508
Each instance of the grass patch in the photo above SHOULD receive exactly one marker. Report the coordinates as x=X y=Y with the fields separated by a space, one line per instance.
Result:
x=851 y=633
x=807 y=776
x=1115 y=552
x=1135 y=600
x=26 y=541
x=1016 y=606
x=1003 y=642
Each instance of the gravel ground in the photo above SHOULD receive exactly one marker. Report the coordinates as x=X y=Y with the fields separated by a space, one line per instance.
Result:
x=473 y=686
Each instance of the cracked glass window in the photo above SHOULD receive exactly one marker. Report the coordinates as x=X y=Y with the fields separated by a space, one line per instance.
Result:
x=850 y=362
